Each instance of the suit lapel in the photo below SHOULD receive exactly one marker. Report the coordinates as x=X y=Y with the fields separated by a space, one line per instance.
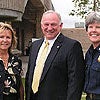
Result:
x=34 y=56
x=52 y=54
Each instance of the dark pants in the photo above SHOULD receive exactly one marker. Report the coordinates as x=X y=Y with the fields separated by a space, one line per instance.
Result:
x=12 y=96
x=34 y=96
x=93 y=97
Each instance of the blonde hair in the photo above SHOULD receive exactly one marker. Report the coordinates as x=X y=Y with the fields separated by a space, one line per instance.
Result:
x=5 y=26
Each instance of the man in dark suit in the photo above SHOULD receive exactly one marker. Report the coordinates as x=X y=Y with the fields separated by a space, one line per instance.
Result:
x=63 y=70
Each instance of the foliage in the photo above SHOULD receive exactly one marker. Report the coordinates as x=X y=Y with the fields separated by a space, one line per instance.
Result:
x=82 y=7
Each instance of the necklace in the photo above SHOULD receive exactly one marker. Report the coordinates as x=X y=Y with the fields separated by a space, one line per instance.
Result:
x=5 y=60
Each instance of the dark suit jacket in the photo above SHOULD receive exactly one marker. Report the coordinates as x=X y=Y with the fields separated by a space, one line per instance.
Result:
x=63 y=73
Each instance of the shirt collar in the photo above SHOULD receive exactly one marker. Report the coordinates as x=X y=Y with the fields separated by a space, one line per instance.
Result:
x=52 y=39
x=91 y=49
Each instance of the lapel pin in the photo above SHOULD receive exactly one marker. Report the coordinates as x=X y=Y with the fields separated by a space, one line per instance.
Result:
x=99 y=59
x=57 y=47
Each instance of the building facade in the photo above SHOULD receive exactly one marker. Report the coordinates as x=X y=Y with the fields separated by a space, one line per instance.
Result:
x=24 y=16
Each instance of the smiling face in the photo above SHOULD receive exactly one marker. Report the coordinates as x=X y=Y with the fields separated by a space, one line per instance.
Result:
x=5 y=40
x=51 y=25
x=93 y=32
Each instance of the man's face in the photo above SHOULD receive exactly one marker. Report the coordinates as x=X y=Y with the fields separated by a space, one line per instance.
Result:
x=94 y=33
x=51 y=25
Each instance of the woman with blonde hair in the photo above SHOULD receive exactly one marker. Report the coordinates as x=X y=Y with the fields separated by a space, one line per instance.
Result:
x=11 y=87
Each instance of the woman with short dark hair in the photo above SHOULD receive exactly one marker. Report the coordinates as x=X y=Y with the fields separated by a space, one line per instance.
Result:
x=92 y=58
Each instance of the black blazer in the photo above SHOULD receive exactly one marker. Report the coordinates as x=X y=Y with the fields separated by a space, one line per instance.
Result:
x=63 y=73
x=2 y=78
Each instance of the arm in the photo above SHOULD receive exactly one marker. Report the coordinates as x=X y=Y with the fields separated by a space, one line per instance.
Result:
x=21 y=91
x=21 y=88
x=2 y=78
x=76 y=71
x=27 y=83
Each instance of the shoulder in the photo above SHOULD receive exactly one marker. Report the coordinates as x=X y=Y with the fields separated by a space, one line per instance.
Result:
x=15 y=59
x=15 y=63
x=68 y=41
x=38 y=41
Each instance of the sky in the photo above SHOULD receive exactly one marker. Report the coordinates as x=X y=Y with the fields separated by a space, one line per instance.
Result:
x=64 y=7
